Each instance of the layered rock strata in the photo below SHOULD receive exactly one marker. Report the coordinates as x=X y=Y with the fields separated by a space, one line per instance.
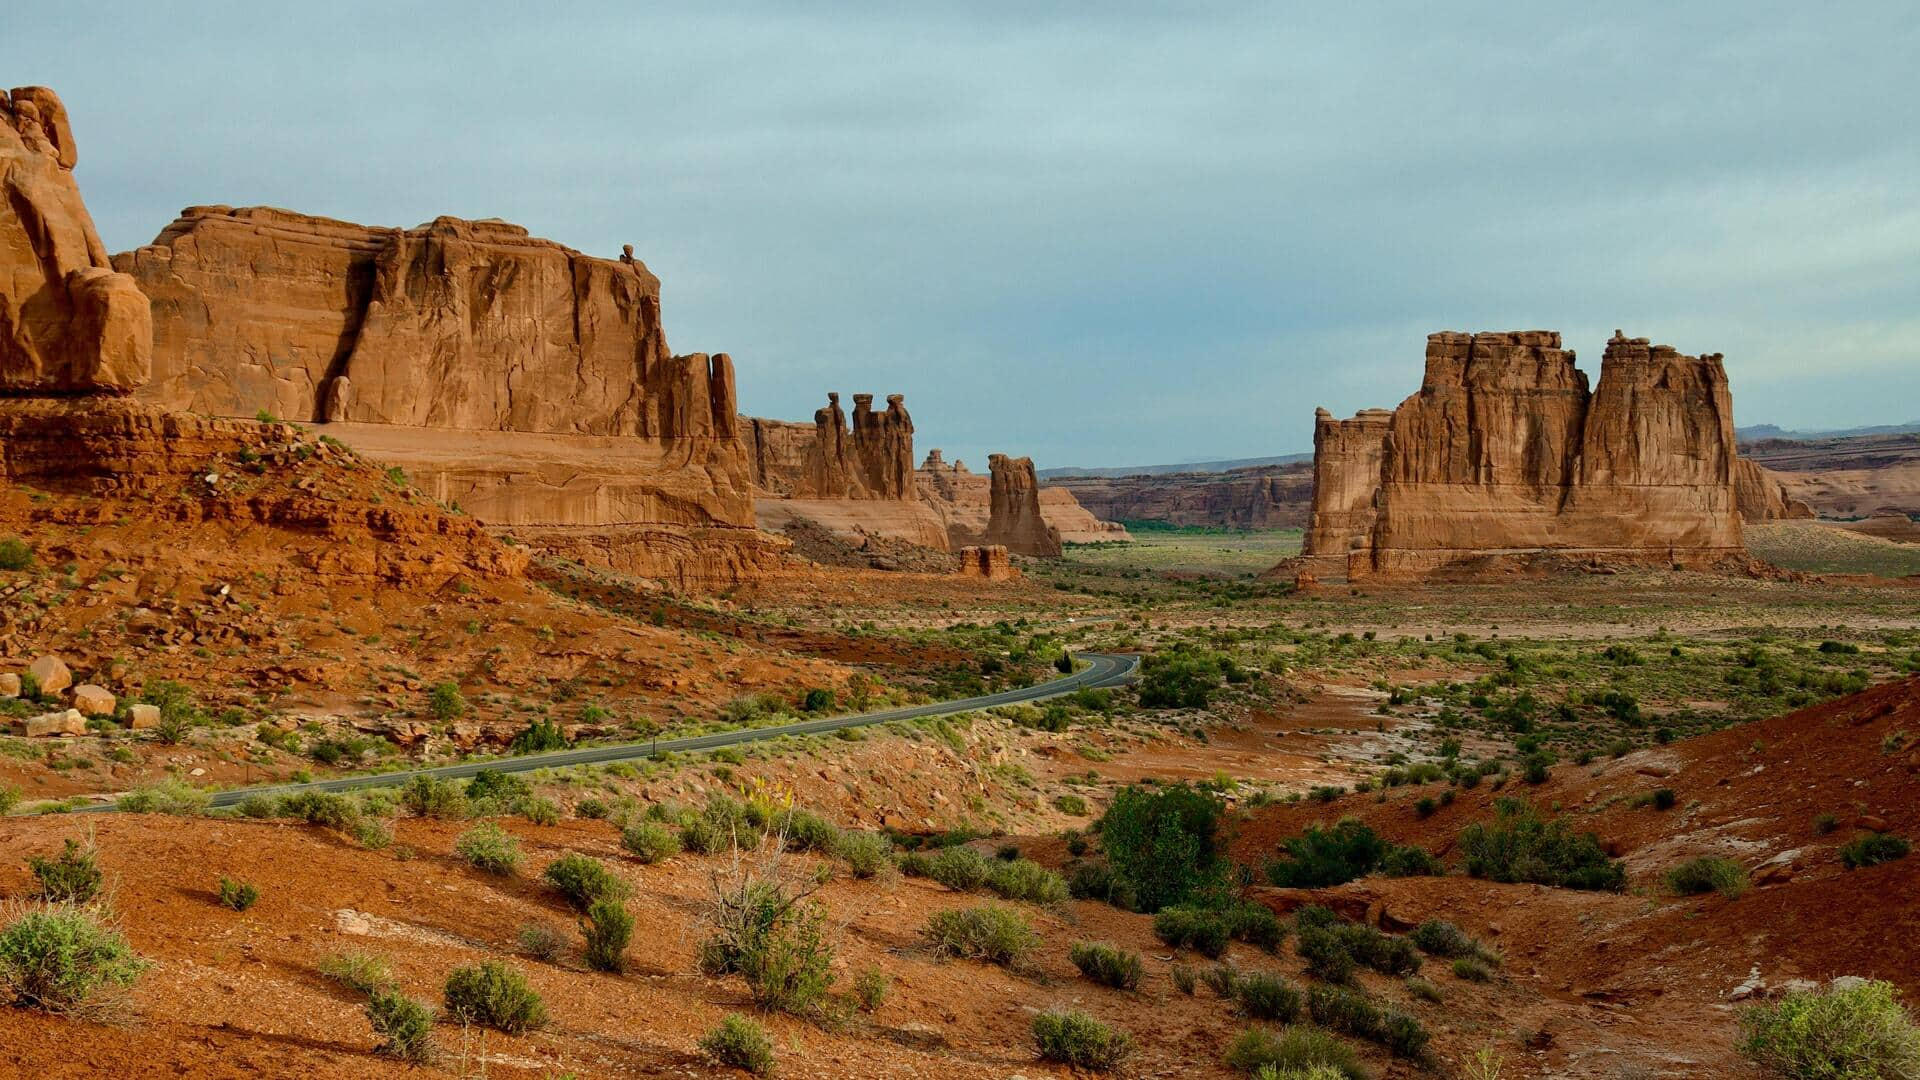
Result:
x=1014 y=520
x=967 y=504
x=1257 y=497
x=1506 y=453
x=990 y=563
x=523 y=380
x=68 y=323
x=871 y=460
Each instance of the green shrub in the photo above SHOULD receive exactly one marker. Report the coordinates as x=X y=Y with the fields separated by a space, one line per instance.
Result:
x=1521 y=846
x=804 y=831
x=542 y=940
x=1186 y=926
x=1183 y=677
x=867 y=855
x=584 y=881
x=1184 y=978
x=446 y=702
x=495 y=995
x=539 y=737
x=1298 y=1049
x=1873 y=849
x=1107 y=964
x=817 y=700
x=740 y=1043
x=176 y=797
x=1024 y=879
x=1071 y=1037
x=650 y=841
x=1695 y=876
x=1325 y=953
x=870 y=989
x=488 y=847
x=1406 y=860
x=1859 y=1032
x=1096 y=881
x=73 y=876
x=608 y=929
x=1471 y=969
x=15 y=554
x=430 y=798
x=1163 y=842
x=1349 y=1012
x=373 y=834
x=1321 y=857
x=404 y=1026
x=238 y=895
x=990 y=932
x=60 y=958
x=1384 y=953
x=775 y=940
x=492 y=790
x=538 y=810
x=1422 y=989
x=1255 y=924
x=1070 y=804
x=358 y=971
x=1260 y=996
x=326 y=809
x=960 y=868
x=1437 y=937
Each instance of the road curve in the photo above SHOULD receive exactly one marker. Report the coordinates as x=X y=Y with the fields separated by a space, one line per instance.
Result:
x=1102 y=670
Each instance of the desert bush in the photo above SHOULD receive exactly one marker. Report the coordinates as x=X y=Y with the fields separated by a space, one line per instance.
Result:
x=9 y=798
x=1188 y=926
x=542 y=940
x=650 y=841
x=238 y=895
x=1255 y=924
x=170 y=796
x=960 y=868
x=62 y=958
x=867 y=855
x=583 y=880
x=990 y=932
x=1024 y=879
x=488 y=847
x=427 y=797
x=405 y=1026
x=538 y=737
x=373 y=834
x=608 y=929
x=770 y=933
x=1872 y=849
x=1185 y=979
x=1183 y=677
x=1321 y=857
x=1163 y=842
x=15 y=554
x=360 y=972
x=1437 y=937
x=1406 y=860
x=721 y=825
x=1422 y=989
x=1471 y=969
x=1107 y=964
x=538 y=809
x=491 y=791
x=1349 y=1011
x=1706 y=874
x=327 y=809
x=495 y=995
x=1296 y=1049
x=740 y=1043
x=1325 y=953
x=73 y=876
x=1097 y=881
x=870 y=989
x=803 y=830
x=1070 y=804
x=1856 y=1032
x=446 y=702
x=1261 y=996
x=1521 y=846
x=1071 y=1037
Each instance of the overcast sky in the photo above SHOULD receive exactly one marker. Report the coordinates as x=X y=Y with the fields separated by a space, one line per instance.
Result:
x=1114 y=234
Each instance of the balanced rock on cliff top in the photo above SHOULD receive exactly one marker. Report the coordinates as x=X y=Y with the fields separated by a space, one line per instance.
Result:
x=68 y=323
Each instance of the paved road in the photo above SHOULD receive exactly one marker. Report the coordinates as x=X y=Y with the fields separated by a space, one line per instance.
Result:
x=1103 y=669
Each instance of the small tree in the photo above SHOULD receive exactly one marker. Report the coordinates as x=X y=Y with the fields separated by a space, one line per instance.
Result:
x=1162 y=841
x=608 y=928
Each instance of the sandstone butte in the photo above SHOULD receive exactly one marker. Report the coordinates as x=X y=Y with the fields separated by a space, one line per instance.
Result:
x=1254 y=497
x=76 y=341
x=1505 y=453
x=523 y=381
x=858 y=480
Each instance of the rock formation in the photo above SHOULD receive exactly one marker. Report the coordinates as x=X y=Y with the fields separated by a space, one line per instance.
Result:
x=991 y=563
x=1255 y=497
x=1763 y=494
x=68 y=323
x=872 y=460
x=964 y=501
x=526 y=382
x=1014 y=519
x=1505 y=453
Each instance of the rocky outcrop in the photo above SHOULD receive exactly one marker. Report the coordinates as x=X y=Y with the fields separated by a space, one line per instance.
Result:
x=872 y=459
x=1505 y=453
x=68 y=323
x=1763 y=495
x=528 y=383
x=990 y=563
x=1014 y=519
x=1075 y=523
x=1256 y=497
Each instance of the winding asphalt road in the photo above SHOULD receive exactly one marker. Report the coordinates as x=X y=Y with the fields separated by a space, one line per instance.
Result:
x=1102 y=670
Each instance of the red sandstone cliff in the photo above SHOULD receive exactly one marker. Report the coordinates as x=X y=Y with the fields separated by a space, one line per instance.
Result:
x=1014 y=520
x=526 y=382
x=1256 y=497
x=68 y=323
x=964 y=500
x=1504 y=452
x=873 y=460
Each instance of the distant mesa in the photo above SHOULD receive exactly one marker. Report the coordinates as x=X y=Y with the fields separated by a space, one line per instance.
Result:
x=1505 y=453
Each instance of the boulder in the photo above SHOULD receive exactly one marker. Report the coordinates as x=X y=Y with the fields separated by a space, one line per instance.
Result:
x=51 y=673
x=142 y=716
x=93 y=700
x=68 y=323
x=67 y=722
x=990 y=563
x=9 y=685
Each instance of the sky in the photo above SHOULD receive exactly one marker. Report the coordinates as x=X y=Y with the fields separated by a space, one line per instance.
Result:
x=1097 y=234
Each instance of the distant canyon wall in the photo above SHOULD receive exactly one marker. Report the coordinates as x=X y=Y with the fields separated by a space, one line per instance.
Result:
x=1263 y=497
x=1505 y=452
x=525 y=381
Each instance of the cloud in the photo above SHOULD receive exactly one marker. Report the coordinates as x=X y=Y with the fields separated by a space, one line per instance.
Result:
x=1120 y=233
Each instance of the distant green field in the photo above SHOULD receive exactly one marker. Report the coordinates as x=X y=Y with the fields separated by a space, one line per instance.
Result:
x=1192 y=551
x=1816 y=548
